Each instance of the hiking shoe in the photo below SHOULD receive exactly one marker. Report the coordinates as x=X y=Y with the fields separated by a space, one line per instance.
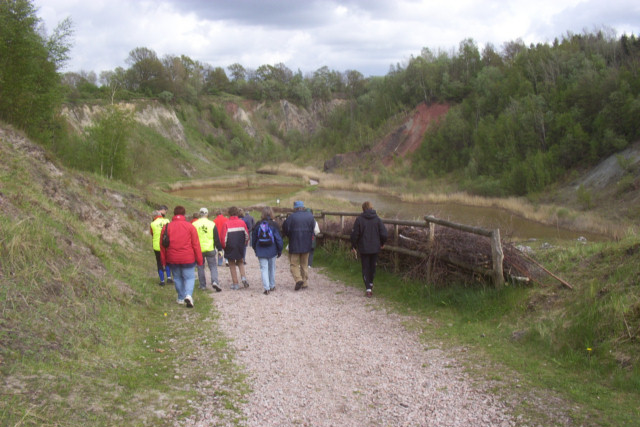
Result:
x=215 y=286
x=161 y=283
x=170 y=280
x=299 y=285
x=244 y=282
x=266 y=292
x=188 y=301
x=369 y=293
x=272 y=289
x=180 y=301
x=235 y=287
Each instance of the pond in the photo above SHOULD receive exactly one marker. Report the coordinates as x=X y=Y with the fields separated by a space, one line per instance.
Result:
x=511 y=226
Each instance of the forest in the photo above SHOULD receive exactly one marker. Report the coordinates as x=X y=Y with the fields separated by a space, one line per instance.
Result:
x=521 y=117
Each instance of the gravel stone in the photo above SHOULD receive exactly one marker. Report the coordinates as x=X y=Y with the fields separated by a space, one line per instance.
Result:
x=328 y=356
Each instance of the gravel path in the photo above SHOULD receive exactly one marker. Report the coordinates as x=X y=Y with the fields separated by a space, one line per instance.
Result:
x=327 y=356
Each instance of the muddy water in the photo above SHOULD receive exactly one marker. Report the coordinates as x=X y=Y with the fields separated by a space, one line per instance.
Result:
x=511 y=226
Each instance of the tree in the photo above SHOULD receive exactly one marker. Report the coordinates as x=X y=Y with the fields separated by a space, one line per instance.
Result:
x=146 y=71
x=29 y=79
x=108 y=137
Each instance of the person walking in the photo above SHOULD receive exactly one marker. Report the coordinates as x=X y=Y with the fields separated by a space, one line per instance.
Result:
x=155 y=229
x=210 y=244
x=267 y=243
x=250 y=221
x=298 y=227
x=368 y=237
x=182 y=253
x=234 y=237
x=220 y=220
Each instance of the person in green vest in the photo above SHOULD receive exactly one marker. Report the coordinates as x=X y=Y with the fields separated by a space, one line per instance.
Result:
x=158 y=222
x=209 y=244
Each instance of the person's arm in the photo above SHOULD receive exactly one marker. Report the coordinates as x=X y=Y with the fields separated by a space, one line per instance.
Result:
x=216 y=239
x=195 y=244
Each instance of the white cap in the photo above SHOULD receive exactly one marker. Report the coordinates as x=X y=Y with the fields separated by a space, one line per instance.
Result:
x=204 y=212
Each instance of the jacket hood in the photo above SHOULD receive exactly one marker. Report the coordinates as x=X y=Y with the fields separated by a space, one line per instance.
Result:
x=369 y=213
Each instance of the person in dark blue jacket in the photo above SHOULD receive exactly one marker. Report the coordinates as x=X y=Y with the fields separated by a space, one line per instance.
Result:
x=267 y=243
x=368 y=237
x=298 y=227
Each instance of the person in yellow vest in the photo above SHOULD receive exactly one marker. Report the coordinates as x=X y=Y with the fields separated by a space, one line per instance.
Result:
x=158 y=222
x=209 y=244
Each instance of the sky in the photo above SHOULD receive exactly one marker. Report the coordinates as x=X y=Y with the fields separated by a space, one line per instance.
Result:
x=369 y=36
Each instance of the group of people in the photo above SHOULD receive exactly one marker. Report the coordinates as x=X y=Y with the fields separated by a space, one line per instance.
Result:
x=181 y=247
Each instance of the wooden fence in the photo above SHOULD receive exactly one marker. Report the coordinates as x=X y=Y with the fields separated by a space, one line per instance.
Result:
x=430 y=222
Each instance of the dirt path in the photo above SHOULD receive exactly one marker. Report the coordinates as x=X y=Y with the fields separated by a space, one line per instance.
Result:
x=327 y=356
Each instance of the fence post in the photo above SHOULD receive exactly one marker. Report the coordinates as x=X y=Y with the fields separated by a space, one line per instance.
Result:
x=342 y=223
x=396 y=242
x=498 y=257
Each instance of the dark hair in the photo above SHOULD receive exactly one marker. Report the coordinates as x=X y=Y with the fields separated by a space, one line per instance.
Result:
x=233 y=211
x=366 y=206
x=179 y=210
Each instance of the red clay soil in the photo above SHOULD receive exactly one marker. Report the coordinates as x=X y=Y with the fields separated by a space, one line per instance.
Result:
x=408 y=137
x=402 y=142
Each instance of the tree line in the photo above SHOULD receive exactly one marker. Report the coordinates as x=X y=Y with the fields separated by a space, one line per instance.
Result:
x=521 y=116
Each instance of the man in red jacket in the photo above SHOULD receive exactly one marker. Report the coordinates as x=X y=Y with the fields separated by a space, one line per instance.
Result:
x=182 y=254
x=220 y=220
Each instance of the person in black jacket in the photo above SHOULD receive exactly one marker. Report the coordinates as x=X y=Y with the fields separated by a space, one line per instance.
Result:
x=368 y=237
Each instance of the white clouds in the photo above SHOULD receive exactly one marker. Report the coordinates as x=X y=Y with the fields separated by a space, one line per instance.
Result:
x=367 y=35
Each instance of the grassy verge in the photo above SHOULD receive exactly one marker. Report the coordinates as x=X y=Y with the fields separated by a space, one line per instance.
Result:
x=87 y=337
x=558 y=356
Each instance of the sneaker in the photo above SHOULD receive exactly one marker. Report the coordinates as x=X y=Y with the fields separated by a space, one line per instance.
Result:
x=180 y=301
x=226 y=263
x=170 y=280
x=188 y=301
x=299 y=285
x=266 y=292
x=235 y=287
x=202 y=288
x=244 y=282
x=272 y=289
x=161 y=283
x=369 y=293
x=215 y=286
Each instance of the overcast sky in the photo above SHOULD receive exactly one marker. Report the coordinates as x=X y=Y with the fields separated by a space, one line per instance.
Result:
x=364 y=35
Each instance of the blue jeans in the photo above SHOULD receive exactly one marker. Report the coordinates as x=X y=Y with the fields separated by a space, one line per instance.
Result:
x=184 y=277
x=210 y=259
x=268 y=272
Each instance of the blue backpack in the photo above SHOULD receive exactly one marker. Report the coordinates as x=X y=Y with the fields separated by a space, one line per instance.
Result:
x=265 y=235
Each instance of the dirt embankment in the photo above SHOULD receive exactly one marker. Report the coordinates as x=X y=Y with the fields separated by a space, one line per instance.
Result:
x=400 y=143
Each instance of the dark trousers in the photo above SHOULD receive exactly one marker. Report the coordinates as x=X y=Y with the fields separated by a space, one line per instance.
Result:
x=369 y=262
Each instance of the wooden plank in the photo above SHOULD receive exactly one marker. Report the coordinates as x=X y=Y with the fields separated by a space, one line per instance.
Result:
x=461 y=227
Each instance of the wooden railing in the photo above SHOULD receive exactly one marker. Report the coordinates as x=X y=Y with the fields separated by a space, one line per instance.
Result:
x=430 y=222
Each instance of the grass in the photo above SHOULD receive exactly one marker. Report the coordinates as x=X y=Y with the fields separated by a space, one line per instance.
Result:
x=87 y=337
x=558 y=356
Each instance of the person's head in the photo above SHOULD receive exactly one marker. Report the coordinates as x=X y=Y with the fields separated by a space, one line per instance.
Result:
x=179 y=210
x=162 y=210
x=234 y=211
x=267 y=213
x=366 y=206
x=204 y=212
x=240 y=212
x=195 y=216
x=218 y=212
x=298 y=205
